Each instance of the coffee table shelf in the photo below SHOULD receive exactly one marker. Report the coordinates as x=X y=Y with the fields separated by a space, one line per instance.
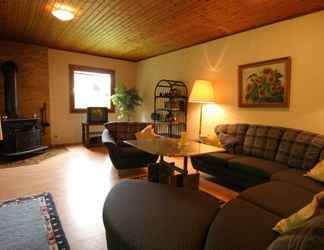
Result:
x=172 y=148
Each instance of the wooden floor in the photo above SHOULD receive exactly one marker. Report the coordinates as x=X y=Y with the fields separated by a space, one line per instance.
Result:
x=79 y=180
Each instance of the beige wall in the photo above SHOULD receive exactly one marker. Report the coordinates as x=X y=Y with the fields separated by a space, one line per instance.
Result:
x=65 y=126
x=302 y=39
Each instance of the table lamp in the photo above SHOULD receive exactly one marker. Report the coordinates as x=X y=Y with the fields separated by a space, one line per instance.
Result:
x=203 y=93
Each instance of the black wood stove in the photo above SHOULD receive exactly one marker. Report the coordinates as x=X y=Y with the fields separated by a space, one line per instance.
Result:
x=20 y=135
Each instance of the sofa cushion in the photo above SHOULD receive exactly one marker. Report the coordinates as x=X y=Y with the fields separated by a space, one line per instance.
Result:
x=236 y=130
x=240 y=225
x=145 y=215
x=302 y=217
x=296 y=177
x=300 y=149
x=215 y=159
x=280 y=198
x=304 y=153
x=262 y=141
x=287 y=141
x=213 y=163
x=255 y=166
x=229 y=142
x=216 y=164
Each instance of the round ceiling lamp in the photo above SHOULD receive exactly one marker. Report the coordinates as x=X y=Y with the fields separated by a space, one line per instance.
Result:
x=63 y=12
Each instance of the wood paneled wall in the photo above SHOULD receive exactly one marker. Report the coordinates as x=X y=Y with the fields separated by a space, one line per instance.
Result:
x=32 y=78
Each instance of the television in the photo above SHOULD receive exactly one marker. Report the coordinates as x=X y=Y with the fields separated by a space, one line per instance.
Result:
x=97 y=115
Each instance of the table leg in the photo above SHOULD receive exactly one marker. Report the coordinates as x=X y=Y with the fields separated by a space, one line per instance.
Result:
x=87 y=135
x=163 y=172
x=189 y=181
x=185 y=165
x=83 y=136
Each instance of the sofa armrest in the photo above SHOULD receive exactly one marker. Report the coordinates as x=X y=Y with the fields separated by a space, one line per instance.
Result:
x=108 y=140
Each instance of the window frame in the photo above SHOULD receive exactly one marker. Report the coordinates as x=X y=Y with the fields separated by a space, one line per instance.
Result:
x=73 y=68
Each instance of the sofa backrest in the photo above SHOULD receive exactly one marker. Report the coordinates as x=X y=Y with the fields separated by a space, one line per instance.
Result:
x=236 y=130
x=122 y=131
x=295 y=148
x=300 y=149
x=262 y=141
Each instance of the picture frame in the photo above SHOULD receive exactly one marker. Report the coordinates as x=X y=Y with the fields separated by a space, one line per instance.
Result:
x=265 y=83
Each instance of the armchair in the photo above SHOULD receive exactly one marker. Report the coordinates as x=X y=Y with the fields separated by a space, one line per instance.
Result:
x=122 y=155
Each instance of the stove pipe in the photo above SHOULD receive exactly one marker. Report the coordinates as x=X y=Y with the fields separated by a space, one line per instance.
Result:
x=9 y=70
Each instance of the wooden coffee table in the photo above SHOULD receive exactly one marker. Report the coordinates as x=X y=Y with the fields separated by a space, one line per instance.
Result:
x=163 y=171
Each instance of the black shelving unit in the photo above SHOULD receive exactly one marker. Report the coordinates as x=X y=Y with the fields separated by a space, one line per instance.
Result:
x=170 y=108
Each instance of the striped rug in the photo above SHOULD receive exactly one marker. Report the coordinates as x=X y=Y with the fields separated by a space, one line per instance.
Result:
x=31 y=223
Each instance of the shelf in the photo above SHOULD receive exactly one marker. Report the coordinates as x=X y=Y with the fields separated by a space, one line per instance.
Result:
x=90 y=138
x=95 y=134
x=170 y=123
x=172 y=97
x=170 y=110
x=170 y=105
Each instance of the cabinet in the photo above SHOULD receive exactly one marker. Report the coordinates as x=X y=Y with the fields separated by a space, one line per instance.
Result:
x=91 y=138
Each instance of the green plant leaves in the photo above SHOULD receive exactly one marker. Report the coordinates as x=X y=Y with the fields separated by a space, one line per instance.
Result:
x=125 y=100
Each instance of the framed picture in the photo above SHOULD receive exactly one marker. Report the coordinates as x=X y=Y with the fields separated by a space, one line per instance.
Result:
x=265 y=84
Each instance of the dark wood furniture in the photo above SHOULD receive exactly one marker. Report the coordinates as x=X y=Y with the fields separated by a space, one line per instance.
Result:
x=169 y=173
x=124 y=156
x=170 y=108
x=91 y=138
x=96 y=116
x=21 y=136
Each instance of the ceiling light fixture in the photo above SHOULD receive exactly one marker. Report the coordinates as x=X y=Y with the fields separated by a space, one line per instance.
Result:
x=63 y=12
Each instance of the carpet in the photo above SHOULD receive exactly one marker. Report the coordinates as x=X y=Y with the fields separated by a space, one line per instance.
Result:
x=32 y=159
x=31 y=223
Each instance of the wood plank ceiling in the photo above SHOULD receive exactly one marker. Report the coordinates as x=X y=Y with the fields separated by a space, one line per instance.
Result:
x=139 y=29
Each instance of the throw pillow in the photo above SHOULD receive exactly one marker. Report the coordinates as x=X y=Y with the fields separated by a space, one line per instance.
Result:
x=212 y=140
x=309 y=237
x=317 y=172
x=301 y=217
x=228 y=141
x=146 y=133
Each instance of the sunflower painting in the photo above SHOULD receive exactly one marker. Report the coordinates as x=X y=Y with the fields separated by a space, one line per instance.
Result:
x=265 y=84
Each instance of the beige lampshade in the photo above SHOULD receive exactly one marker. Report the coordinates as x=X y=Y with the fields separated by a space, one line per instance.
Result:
x=202 y=92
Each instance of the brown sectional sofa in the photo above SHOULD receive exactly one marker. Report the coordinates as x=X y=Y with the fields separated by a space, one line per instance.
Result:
x=262 y=151
x=269 y=163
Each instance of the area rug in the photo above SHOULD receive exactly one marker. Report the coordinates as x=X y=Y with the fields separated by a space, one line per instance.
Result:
x=32 y=159
x=31 y=223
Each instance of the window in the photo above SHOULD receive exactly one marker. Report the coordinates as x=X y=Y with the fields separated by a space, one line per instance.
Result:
x=90 y=87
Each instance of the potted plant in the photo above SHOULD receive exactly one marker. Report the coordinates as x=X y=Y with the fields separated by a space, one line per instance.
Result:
x=125 y=100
